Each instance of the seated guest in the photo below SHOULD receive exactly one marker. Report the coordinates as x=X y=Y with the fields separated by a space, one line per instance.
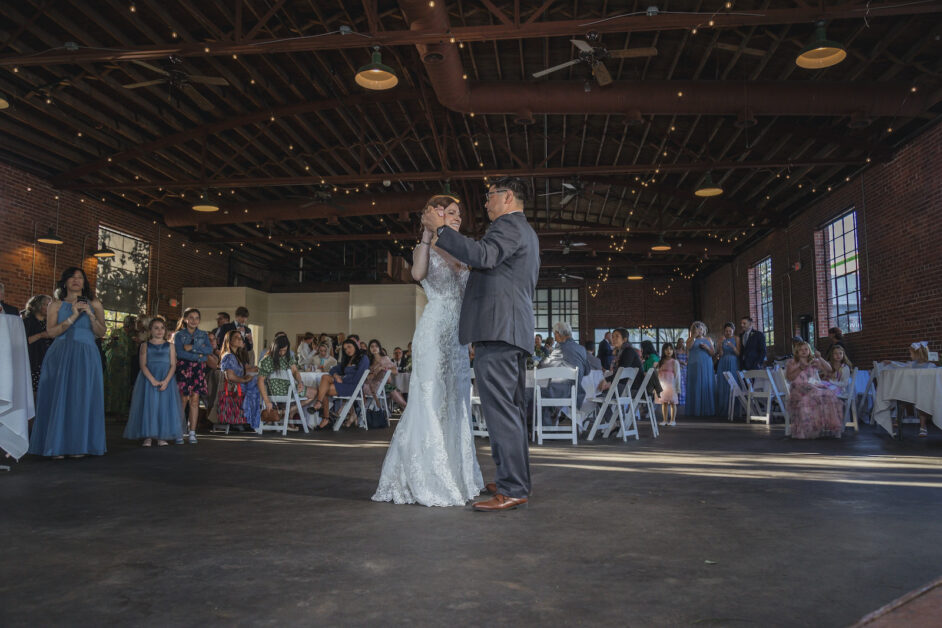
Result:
x=918 y=359
x=594 y=363
x=835 y=339
x=4 y=307
x=379 y=364
x=548 y=345
x=569 y=354
x=276 y=367
x=280 y=334
x=407 y=359
x=306 y=352
x=343 y=381
x=840 y=368
x=38 y=340
x=625 y=356
x=322 y=362
x=239 y=371
x=398 y=358
x=814 y=409
x=649 y=355
x=539 y=352
x=217 y=336
x=330 y=343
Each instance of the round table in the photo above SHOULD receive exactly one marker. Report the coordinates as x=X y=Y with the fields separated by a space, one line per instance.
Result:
x=401 y=382
x=16 y=387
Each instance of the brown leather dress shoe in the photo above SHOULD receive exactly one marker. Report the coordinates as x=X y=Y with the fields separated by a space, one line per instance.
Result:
x=501 y=502
x=491 y=488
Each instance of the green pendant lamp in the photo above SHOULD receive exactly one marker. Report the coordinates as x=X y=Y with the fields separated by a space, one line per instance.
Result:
x=375 y=75
x=821 y=52
x=708 y=188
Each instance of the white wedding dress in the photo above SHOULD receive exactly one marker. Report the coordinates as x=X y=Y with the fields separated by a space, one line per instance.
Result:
x=431 y=458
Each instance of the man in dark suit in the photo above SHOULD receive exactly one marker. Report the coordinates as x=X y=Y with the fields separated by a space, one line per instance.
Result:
x=497 y=316
x=241 y=323
x=752 y=341
x=605 y=351
x=7 y=309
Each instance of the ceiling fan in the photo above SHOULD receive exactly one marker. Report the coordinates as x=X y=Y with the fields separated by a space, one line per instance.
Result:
x=593 y=53
x=569 y=244
x=563 y=276
x=180 y=81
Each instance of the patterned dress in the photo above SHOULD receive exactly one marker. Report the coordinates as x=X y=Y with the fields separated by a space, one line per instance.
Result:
x=682 y=384
x=814 y=409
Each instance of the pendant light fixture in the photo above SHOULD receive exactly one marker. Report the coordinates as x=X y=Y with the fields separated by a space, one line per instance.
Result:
x=446 y=191
x=103 y=252
x=52 y=235
x=204 y=204
x=375 y=75
x=4 y=101
x=708 y=188
x=661 y=245
x=821 y=52
x=635 y=274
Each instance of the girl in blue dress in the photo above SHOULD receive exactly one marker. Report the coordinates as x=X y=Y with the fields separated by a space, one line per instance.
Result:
x=701 y=381
x=238 y=370
x=729 y=362
x=155 y=406
x=70 y=406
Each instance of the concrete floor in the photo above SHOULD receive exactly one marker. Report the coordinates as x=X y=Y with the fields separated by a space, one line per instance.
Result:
x=710 y=525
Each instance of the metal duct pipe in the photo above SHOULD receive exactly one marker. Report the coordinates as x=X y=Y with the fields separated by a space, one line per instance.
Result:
x=301 y=209
x=736 y=98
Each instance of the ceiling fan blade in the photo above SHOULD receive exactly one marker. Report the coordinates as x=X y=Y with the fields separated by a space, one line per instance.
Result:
x=153 y=68
x=207 y=80
x=569 y=186
x=556 y=67
x=602 y=75
x=577 y=244
x=632 y=53
x=566 y=199
x=198 y=98
x=581 y=45
x=549 y=194
x=144 y=84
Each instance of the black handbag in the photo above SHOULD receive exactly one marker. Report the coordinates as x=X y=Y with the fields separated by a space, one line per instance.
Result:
x=376 y=420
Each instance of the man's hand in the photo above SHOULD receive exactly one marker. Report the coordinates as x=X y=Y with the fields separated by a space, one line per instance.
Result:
x=433 y=219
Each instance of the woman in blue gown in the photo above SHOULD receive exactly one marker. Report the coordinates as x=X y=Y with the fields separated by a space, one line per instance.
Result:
x=70 y=406
x=701 y=380
x=729 y=362
x=155 y=404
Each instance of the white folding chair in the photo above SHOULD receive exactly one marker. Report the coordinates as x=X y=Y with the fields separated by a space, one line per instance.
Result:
x=556 y=375
x=618 y=393
x=849 y=397
x=355 y=397
x=758 y=396
x=478 y=426
x=293 y=397
x=780 y=392
x=379 y=401
x=736 y=394
x=642 y=399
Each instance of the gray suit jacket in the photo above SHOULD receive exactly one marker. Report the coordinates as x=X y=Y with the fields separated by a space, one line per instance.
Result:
x=569 y=354
x=505 y=265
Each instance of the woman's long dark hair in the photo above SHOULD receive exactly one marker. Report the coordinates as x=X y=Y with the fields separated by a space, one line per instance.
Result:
x=350 y=360
x=62 y=292
x=382 y=352
x=241 y=354
x=647 y=348
x=279 y=343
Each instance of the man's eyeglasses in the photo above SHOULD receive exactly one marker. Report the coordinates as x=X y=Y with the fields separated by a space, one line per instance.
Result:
x=490 y=194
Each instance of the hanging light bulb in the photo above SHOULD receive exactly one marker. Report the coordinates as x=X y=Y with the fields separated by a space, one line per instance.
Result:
x=4 y=101
x=708 y=188
x=103 y=252
x=635 y=274
x=375 y=75
x=821 y=52
x=50 y=237
x=661 y=245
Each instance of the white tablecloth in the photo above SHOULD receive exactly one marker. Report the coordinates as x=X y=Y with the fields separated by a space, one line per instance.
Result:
x=16 y=387
x=401 y=382
x=921 y=387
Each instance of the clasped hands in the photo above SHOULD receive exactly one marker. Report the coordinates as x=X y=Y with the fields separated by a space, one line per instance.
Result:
x=434 y=218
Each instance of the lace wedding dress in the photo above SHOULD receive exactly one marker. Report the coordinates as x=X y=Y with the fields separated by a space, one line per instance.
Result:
x=431 y=458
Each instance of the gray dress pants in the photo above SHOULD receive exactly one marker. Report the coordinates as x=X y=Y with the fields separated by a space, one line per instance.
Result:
x=500 y=370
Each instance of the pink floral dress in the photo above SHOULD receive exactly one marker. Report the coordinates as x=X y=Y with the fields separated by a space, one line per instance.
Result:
x=666 y=375
x=814 y=409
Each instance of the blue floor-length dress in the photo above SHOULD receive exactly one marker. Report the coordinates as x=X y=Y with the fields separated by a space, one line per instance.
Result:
x=70 y=405
x=155 y=413
x=701 y=380
x=729 y=362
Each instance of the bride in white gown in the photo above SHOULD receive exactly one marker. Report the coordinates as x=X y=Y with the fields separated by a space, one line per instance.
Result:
x=431 y=458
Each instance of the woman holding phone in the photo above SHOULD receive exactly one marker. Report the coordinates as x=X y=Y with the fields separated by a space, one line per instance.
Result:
x=70 y=406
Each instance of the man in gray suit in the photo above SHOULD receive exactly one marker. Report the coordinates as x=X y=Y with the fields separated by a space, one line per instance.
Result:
x=497 y=316
x=569 y=353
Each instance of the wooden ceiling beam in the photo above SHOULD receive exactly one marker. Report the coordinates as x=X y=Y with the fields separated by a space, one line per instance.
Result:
x=495 y=32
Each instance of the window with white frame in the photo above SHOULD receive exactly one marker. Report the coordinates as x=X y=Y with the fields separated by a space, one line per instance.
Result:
x=121 y=282
x=760 y=298
x=553 y=305
x=843 y=284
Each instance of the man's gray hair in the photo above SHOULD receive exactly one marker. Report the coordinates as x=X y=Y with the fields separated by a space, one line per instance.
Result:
x=563 y=329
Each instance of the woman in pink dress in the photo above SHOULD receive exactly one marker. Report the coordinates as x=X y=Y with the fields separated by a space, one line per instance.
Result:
x=668 y=372
x=814 y=409
x=379 y=364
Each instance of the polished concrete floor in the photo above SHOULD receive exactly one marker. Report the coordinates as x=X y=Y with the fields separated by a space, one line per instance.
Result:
x=710 y=525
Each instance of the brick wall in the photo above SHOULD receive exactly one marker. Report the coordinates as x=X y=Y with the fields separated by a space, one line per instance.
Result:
x=28 y=202
x=899 y=233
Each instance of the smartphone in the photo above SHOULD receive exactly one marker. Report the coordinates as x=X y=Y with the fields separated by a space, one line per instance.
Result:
x=81 y=300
